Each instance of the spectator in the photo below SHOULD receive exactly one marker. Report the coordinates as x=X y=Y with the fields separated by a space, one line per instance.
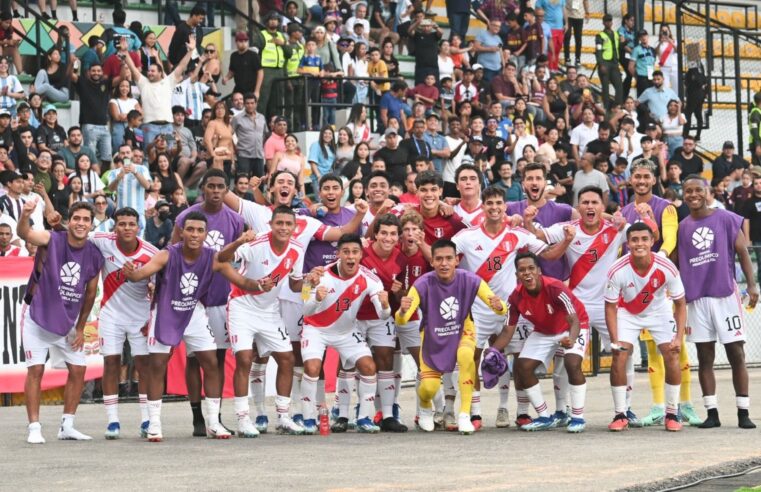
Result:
x=158 y=229
x=129 y=181
x=191 y=93
x=241 y=187
x=534 y=35
x=11 y=89
x=74 y=148
x=9 y=47
x=149 y=52
x=101 y=222
x=276 y=141
x=344 y=149
x=515 y=42
x=244 y=67
x=575 y=17
x=583 y=134
x=555 y=103
x=179 y=46
x=24 y=150
x=292 y=160
x=212 y=64
x=436 y=142
x=169 y=180
x=236 y=104
x=133 y=134
x=657 y=97
x=511 y=187
x=446 y=63
x=601 y=146
x=425 y=35
x=52 y=81
x=187 y=150
x=218 y=139
x=112 y=36
x=562 y=172
x=92 y=186
x=506 y=87
x=274 y=54
x=642 y=64
x=119 y=107
x=742 y=193
x=114 y=67
x=667 y=53
x=488 y=47
x=673 y=126
x=628 y=36
x=50 y=135
x=553 y=17
x=392 y=105
x=58 y=195
x=587 y=175
x=249 y=126
x=377 y=69
x=695 y=90
x=387 y=55
x=688 y=160
x=628 y=141
x=395 y=156
x=648 y=152
x=728 y=163
x=94 y=92
x=607 y=53
x=383 y=21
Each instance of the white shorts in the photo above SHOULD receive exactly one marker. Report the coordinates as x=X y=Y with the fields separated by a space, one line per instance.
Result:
x=523 y=330
x=351 y=346
x=218 y=325
x=293 y=318
x=248 y=325
x=597 y=321
x=712 y=318
x=197 y=337
x=112 y=337
x=487 y=325
x=409 y=335
x=543 y=347
x=378 y=332
x=38 y=341
x=662 y=328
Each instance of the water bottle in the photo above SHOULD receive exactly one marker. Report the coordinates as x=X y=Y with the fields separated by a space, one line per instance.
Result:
x=324 y=421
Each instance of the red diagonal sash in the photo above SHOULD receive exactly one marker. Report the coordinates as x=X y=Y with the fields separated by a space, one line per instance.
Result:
x=279 y=273
x=644 y=296
x=116 y=279
x=594 y=252
x=497 y=258
x=330 y=315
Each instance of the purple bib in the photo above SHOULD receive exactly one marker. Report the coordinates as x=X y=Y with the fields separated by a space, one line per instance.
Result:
x=59 y=288
x=550 y=214
x=179 y=287
x=321 y=253
x=445 y=308
x=658 y=205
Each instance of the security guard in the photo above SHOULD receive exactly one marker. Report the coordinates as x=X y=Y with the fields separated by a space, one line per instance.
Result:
x=295 y=109
x=607 y=51
x=754 y=123
x=275 y=52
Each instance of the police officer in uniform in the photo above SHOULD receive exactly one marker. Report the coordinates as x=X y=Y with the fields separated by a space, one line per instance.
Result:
x=607 y=51
x=275 y=53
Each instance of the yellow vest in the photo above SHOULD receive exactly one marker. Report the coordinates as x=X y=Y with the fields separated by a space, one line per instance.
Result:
x=272 y=54
x=608 y=45
x=292 y=65
x=754 y=132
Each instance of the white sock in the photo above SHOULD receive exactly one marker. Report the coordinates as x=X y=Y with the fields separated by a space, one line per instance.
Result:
x=578 y=398
x=504 y=389
x=111 y=402
x=320 y=393
x=366 y=394
x=523 y=402
x=212 y=410
x=154 y=411
x=282 y=405
x=475 y=403
x=242 y=410
x=67 y=420
x=435 y=398
x=298 y=373
x=398 y=364
x=743 y=402
x=534 y=395
x=560 y=383
x=438 y=399
x=629 y=381
x=386 y=389
x=672 y=398
x=619 y=399
x=450 y=390
x=308 y=397
x=257 y=379
x=710 y=401
x=344 y=385
x=143 y=407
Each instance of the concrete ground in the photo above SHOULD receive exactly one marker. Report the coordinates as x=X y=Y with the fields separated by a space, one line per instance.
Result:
x=493 y=459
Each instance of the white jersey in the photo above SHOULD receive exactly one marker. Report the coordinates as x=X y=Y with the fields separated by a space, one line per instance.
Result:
x=471 y=218
x=369 y=217
x=644 y=295
x=337 y=313
x=259 y=260
x=493 y=257
x=123 y=302
x=590 y=258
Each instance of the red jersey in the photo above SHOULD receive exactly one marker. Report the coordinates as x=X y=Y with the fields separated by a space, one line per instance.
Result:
x=438 y=227
x=415 y=268
x=388 y=270
x=547 y=310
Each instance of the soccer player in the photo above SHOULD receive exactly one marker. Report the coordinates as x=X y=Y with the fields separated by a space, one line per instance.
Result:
x=435 y=224
x=124 y=312
x=636 y=297
x=545 y=213
x=643 y=178
x=707 y=243
x=59 y=297
x=379 y=203
x=449 y=336
x=271 y=259
x=468 y=182
x=559 y=319
x=224 y=226
x=7 y=248
x=329 y=315
x=186 y=275
x=488 y=251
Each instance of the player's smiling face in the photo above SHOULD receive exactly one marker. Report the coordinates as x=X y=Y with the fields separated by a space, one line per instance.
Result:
x=126 y=228
x=468 y=184
x=642 y=181
x=387 y=238
x=534 y=183
x=349 y=255
x=695 y=194
x=80 y=224
x=214 y=190
x=429 y=196
x=330 y=194
x=282 y=226
x=284 y=189
x=528 y=274
x=377 y=190
x=444 y=263
x=591 y=209
x=494 y=207
x=640 y=243
x=194 y=233
x=409 y=231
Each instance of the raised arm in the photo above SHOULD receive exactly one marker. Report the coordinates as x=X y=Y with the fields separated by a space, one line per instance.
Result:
x=24 y=228
x=179 y=70
x=335 y=233
x=407 y=307
x=227 y=271
x=491 y=299
x=135 y=274
x=136 y=75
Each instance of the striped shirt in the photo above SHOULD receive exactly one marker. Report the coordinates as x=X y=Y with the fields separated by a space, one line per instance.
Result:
x=129 y=191
x=13 y=85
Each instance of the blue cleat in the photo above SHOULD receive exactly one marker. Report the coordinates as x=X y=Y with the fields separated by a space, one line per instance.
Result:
x=298 y=418
x=144 y=429
x=310 y=427
x=576 y=426
x=367 y=426
x=262 y=422
x=560 y=419
x=113 y=430
x=634 y=421
x=539 y=424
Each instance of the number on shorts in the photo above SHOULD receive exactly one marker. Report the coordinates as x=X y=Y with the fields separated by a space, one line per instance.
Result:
x=673 y=326
x=283 y=333
x=580 y=340
x=389 y=327
x=494 y=264
x=343 y=304
x=301 y=321
x=233 y=339
x=357 y=337
x=522 y=331
x=733 y=323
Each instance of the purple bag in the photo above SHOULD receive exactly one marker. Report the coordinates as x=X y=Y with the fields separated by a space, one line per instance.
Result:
x=493 y=366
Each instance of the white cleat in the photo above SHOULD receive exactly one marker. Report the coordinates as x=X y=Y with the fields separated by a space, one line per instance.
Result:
x=288 y=427
x=247 y=429
x=153 y=433
x=72 y=434
x=464 y=425
x=217 y=431
x=503 y=418
x=425 y=422
x=35 y=434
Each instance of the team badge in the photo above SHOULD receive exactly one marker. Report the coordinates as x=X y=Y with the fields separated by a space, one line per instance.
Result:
x=438 y=232
x=549 y=309
x=356 y=289
x=654 y=283
x=288 y=263
x=417 y=271
x=605 y=238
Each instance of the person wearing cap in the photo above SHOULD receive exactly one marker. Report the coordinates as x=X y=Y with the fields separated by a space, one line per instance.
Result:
x=728 y=163
x=244 y=67
x=607 y=53
x=158 y=229
x=50 y=135
x=275 y=52
x=642 y=63
x=182 y=34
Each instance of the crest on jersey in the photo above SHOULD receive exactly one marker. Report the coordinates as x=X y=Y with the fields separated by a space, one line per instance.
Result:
x=549 y=309
x=356 y=289
x=417 y=271
x=438 y=232
x=214 y=240
x=605 y=238
x=507 y=246
x=654 y=283
x=288 y=263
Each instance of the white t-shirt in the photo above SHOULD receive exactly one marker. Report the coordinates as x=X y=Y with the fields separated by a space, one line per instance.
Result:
x=582 y=135
x=451 y=165
x=446 y=67
x=157 y=98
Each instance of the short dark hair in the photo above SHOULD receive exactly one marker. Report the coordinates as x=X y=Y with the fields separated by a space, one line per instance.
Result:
x=73 y=128
x=466 y=167
x=638 y=226
x=492 y=192
x=526 y=254
x=134 y=113
x=591 y=189
x=250 y=95
x=441 y=244
x=213 y=173
x=535 y=166
x=127 y=212
x=282 y=209
x=428 y=177
x=195 y=215
x=197 y=10
x=330 y=177
x=379 y=174
x=348 y=239
x=3 y=224
x=387 y=220
x=82 y=206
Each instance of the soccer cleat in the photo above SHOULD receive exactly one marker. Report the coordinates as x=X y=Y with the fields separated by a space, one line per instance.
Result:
x=334 y=413
x=199 y=428
x=634 y=421
x=687 y=414
x=262 y=422
x=672 y=423
x=112 y=431
x=503 y=418
x=246 y=428
x=340 y=425
x=299 y=419
x=560 y=419
x=366 y=426
x=217 y=431
x=576 y=426
x=538 y=424
x=522 y=420
x=153 y=432
x=377 y=418
x=476 y=421
x=286 y=426
x=465 y=425
x=450 y=423
x=655 y=417
x=35 y=434
x=712 y=420
x=620 y=423
x=396 y=412
x=425 y=420
x=144 y=429
x=72 y=434
x=390 y=424
x=310 y=427
x=743 y=420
